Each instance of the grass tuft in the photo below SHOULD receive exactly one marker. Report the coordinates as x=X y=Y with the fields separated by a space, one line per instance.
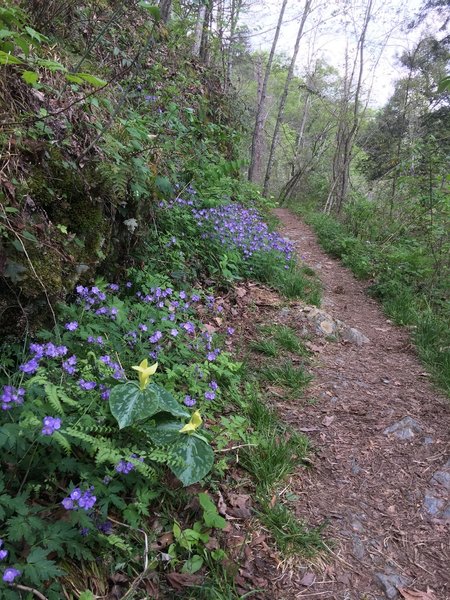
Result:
x=291 y=535
x=287 y=375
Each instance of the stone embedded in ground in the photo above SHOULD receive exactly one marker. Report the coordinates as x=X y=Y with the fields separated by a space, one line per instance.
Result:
x=327 y=325
x=442 y=477
x=432 y=505
x=354 y=336
x=404 y=429
x=390 y=582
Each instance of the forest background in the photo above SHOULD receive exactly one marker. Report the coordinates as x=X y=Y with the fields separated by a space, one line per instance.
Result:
x=122 y=125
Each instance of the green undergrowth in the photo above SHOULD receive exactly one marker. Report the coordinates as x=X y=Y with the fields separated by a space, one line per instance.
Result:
x=402 y=275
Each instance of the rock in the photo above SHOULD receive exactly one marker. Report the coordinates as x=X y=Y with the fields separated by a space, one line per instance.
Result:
x=446 y=513
x=432 y=505
x=442 y=477
x=354 y=336
x=428 y=440
x=327 y=325
x=358 y=549
x=390 y=582
x=404 y=429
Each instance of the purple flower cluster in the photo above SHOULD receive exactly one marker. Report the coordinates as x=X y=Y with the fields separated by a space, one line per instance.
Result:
x=78 y=499
x=50 y=425
x=243 y=228
x=39 y=352
x=69 y=365
x=11 y=396
x=126 y=467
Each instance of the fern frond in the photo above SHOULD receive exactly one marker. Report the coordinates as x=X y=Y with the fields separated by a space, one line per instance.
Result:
x=63 y=442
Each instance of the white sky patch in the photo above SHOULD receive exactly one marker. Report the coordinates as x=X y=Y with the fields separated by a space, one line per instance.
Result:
x=329 y=36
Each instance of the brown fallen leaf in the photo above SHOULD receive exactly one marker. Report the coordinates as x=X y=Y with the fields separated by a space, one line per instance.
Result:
x=327 y=421
x=417 y=594
x=181 y=580
x=241 y=292
x=307 y=579
x=240 y=505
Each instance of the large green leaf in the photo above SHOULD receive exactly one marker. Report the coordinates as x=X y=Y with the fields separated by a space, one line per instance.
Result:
x=165 y=431
x=9 y=59
x=197 y=459
x=129 y=404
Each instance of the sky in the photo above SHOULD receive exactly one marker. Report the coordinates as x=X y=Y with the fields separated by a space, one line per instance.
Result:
x=386 y=37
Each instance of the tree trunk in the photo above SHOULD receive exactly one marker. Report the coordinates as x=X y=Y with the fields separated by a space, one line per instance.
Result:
x=204 y=44
x=198 y=30
x=284 y=95
x=348 y=125
x=258 y=129
x=165 y=6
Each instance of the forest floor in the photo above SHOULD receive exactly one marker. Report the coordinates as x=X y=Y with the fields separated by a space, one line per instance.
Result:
x=380 y=473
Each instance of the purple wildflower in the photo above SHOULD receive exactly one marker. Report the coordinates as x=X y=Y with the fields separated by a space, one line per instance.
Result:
x=3 y=554
x=86 y=385
x=189 y=401
x=189 y=327
x=71 y=326
x=11 y=396
x=210 y=395
x=10 y=574
x=156 y=337
x=50 y=425
x=30 y=367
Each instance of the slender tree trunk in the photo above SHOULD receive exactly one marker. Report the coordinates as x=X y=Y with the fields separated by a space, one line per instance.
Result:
x=204 y=44
x=165 y=6
x=198 y=30
x=284 y=95
x=258 y=129
x=236 y=6
x=348 y=125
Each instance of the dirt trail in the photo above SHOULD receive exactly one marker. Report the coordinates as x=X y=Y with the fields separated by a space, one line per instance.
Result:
x=385 y=496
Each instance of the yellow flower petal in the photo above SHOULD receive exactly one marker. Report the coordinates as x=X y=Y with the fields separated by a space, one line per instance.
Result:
x=145 y=372
x=193 y=424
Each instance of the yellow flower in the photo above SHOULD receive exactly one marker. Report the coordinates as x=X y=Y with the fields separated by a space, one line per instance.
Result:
x=193 y=424
x=145 y=372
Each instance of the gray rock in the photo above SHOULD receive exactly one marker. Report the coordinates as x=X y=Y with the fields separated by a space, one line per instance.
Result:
x=442 y=478
x=446 y=513
x=432 y=505
x=404 y=429
x=358 y=549
x=428 y=440
x=354 y=336
x=390 y=582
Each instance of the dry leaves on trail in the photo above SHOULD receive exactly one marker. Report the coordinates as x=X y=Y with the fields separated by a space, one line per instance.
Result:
x=307 y=579
x=326 y=422
x=181 y=580
x=240 y=505
x=417 y=594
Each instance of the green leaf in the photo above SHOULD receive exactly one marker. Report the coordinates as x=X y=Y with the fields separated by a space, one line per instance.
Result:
x=444 y=84
x=88 y=78
x=30 y=77
x=165 y=432
x=9 y=59
x=50 y=65
x=164 y=186
x=73 y=78
x=197 y=459
x=86 y=595
x=193 y=564
x=210 y=514
x=129 y=404
x=29 y=236
x=153 y=10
